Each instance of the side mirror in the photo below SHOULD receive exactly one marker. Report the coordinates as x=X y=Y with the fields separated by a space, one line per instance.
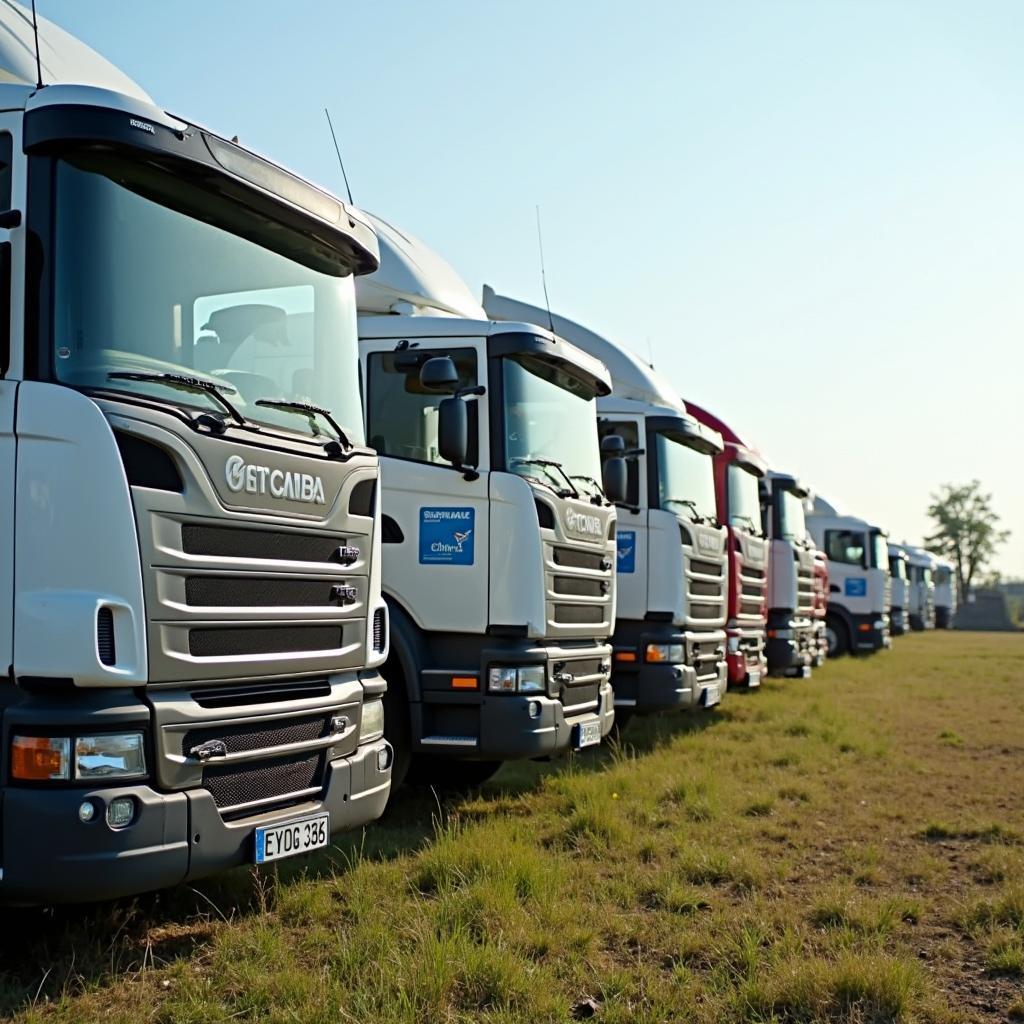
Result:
x=613 y=478
x=612 y=444
x=439 y=374
x=452 y=429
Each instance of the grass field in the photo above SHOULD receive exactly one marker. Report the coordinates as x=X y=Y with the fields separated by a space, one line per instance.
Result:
x=849 y=847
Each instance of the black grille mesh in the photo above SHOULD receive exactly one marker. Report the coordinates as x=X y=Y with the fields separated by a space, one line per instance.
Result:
x=378 y=630
x=233 y=641
x=706 y=568
x=244 y=736
x=105 y=636
x=263 y=780
x=238 y=592
x=576 y=559
x=705 y=589
x=578 y=586
x=574 y=614
x=231 y=542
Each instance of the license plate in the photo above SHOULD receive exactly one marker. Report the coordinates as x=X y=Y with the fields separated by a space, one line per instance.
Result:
x=300 y=836
x=712 y=696
x=753 y=679
x=588 y=734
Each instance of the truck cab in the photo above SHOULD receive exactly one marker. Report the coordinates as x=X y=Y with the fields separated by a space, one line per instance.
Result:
x=901 y=602
x=921 y=586
x=669 y=641
x=739 y=470
x=192 y=620
x=819 y=613
x=945 y=594
x=792 y=647
x=859 y=582
x=498 y=540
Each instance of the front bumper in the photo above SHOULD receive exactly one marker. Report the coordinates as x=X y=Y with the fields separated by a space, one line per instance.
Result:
x=820 y=643
x=792 y=645
x=644 y=688
x=871 y=633
x=51 y=856
x=899 y=622
x=746 y=661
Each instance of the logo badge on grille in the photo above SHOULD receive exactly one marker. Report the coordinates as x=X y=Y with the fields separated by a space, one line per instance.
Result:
x=209 y=750
x=579 y=522
x=278 y=483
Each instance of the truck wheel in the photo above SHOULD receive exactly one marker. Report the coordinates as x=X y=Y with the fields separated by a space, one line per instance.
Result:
x=449 y=773
x=838 y=638
x=397 y=730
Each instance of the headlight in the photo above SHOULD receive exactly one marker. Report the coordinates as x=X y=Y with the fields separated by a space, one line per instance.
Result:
x=672 y=654
x=110 y=756
x=530 y=679
x=371 y=726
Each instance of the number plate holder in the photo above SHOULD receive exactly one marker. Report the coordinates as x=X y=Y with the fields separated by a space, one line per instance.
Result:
x=290 y=838
x=587 y=734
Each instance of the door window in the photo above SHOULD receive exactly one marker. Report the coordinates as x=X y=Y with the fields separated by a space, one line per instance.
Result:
x=846 y=546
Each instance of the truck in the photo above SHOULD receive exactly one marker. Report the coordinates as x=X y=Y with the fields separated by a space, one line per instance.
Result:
x=921 y=604
x=671 y=561
x=192 y=621
x=819 y=610
x=792 y=645
x=739 y=470
x=946 y=593
x=498 y=538
x=901 y=602
x=860 y=587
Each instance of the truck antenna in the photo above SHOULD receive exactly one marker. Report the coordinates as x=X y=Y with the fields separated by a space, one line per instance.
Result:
x=543 y=274
x=337 y=149
x=35 y=33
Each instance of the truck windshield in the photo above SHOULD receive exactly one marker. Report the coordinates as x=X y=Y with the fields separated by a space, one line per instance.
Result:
x=686 y=480
x=744 y=501
x=943 y=576
x=550 y=426
x=143 y=289
x=792 y=524
x=879 y=551
x=897 y=567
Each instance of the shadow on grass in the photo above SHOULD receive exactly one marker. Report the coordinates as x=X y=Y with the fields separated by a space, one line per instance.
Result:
x=54 y=952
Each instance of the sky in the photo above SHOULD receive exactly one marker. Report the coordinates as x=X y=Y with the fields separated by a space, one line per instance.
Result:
x=808 y=213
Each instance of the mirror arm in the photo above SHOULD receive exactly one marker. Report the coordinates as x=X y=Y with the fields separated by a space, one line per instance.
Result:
x=480 y=389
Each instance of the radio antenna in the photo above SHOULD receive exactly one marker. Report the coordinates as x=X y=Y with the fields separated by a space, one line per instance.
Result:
x=35 y=33
x=543 y=274
x=337 y=149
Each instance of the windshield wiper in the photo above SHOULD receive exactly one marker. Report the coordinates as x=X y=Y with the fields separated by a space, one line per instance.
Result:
x=185 y=383
x=754 y=528
x=550 y=463
x=595 y=499
x=311 y=411
x=691 y=505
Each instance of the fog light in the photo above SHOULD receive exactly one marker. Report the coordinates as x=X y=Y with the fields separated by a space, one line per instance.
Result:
x=120 y=812
x=384 y=759
x=86 y=811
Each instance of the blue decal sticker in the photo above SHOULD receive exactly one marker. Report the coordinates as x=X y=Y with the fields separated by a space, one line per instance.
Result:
x=447 y=535
x=625 y=550
x=855 y=587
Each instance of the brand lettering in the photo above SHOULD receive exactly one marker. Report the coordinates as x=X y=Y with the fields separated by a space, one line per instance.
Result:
x=578 y=522
x=142 y=126
x=278 y=483
x=708 y=542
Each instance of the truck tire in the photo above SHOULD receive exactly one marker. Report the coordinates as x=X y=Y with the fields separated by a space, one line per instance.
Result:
x=450 y=773
x=838 y=637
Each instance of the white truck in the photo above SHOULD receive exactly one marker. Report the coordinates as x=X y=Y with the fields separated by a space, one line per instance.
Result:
x=670 y=641
x=192 y=620
x=499 y=542
x=860 y=587
x=945 y=594
x=921 y=607
x=792 y=645
x=901 y=602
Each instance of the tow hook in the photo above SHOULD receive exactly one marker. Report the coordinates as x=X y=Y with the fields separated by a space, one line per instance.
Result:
x=210 y=749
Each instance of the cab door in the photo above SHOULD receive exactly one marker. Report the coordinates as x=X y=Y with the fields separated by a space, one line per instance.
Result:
x=12 y=198
x=436 y=521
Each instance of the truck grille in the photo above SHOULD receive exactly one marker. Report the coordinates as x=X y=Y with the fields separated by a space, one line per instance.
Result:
x=277 y=545
x=243 y=592
x=246 y=736
x=805 y=592
x=578 y=614
x=574 y=558
x=273 y=781
x=240 y=640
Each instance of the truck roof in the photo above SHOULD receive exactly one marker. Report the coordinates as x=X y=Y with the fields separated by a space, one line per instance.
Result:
x=413 y=279
x=63 y=58
x=747 y=456
x=918 y=556
x=826 y=513
x=632 y=378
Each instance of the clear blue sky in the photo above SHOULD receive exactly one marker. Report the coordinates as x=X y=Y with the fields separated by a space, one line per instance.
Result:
x=768 y=187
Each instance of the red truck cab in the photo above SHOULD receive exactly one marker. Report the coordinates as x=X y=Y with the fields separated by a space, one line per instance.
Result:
x=738 y=471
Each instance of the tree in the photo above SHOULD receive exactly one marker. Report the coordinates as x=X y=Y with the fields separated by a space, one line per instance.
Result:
x=966 y=529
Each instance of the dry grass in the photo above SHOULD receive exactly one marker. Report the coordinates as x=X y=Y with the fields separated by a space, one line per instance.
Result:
x=846 y=848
